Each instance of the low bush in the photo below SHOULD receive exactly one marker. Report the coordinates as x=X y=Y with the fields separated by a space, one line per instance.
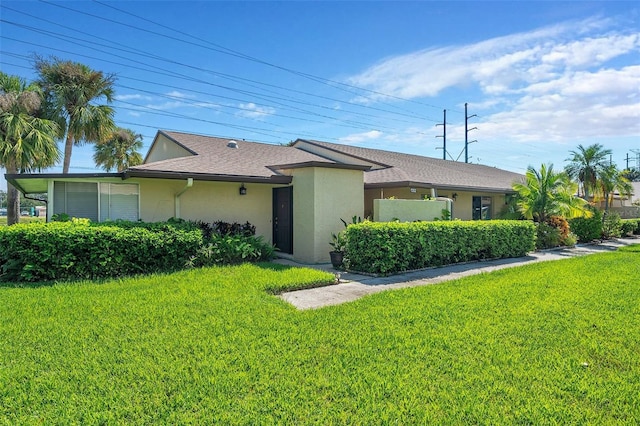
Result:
x=612 y=225
x=392 y=247
x=555 y=232
x=547 y=236
x=630 y=226
x=587 y=228
x=80 y=250
x=231 y=249
x=73 y=249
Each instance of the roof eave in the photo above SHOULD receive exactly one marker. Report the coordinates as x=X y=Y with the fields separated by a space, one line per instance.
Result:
x=308 y=164
x=319 y=145
x=15 y=178
x=403 y=184
x=154 y=174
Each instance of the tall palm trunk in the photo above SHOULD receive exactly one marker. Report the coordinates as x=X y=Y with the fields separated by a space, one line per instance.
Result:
x=13 y=200
x=68 y=147
x=13 y=205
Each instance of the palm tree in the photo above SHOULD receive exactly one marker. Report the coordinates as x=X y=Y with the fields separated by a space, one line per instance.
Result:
x=611 y=180
x=547 y=193
x=72 y=88
x=27 y=141
x=119 y=151
x=586 y=165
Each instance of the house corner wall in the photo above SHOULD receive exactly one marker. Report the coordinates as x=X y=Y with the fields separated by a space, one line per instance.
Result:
x=323 y=196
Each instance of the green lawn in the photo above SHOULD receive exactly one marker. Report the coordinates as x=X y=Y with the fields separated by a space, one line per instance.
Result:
x=23 y=219
x=549 y=343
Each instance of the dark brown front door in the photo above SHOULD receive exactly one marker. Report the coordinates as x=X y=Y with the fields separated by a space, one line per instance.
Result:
x=283 y=219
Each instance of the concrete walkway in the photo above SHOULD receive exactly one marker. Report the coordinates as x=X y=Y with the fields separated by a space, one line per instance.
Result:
x=354 y=286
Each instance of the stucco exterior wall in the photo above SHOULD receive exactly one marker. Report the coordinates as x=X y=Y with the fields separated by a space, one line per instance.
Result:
x=164 y=149
x=209 y=202
x=462 y=205
x=403 y=193
x=321 y=197
x=408 y=210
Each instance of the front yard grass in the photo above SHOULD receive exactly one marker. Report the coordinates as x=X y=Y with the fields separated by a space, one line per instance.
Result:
x=23 y=219
x=554 y=342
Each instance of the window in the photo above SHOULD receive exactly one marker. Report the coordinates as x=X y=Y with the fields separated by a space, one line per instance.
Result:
x=481 y=208
x=96 y=201
x=77 y=199
x=118 y=201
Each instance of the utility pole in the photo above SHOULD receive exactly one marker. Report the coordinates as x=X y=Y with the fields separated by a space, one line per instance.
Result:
x=637 y=152
x=627 y=161
x=444 y=135
x=466 y=132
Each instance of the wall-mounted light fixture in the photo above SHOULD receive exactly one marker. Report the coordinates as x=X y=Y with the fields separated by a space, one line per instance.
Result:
x=243 y=190
x=454 y=196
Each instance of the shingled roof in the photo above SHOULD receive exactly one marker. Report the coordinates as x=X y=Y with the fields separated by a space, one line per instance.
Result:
x=214 y=158
x=397 y=169
x=217 y=159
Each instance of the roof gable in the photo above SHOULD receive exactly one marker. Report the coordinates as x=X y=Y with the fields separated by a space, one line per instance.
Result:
x=207 y=155
x=398 y=169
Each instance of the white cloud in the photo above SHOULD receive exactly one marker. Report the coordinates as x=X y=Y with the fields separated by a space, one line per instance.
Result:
x=132 y=97
x=361 y=137
x=166 y=105
x=251 y=110
x=498 y=65
x=573 y=106
x=555 y=84
x=176 y=94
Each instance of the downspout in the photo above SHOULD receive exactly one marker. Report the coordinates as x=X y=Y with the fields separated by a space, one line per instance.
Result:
x=177 y=197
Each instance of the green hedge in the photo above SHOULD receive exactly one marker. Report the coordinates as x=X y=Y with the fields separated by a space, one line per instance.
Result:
x=587 y=228
x=392 y=247
x=630 y=226
x=79 y=250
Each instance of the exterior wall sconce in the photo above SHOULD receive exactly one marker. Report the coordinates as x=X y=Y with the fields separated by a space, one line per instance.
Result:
x=243 y=190
x=454 y=196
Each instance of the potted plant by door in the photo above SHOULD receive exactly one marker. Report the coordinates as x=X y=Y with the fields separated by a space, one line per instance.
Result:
x=338 y=242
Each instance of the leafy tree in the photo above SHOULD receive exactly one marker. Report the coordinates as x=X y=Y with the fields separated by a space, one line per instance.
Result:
x=72 y=89
x=587 y=165
x=119 y=151
x=545 y=193
x=27 y=141
x=632 y=175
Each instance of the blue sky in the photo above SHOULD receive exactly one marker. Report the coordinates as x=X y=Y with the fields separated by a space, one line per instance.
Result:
x=539 y=78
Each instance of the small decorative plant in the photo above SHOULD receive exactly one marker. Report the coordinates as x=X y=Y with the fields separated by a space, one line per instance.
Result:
x=338 y=242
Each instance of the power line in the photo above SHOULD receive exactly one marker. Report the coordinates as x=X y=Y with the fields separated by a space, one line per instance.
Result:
x=221 y=49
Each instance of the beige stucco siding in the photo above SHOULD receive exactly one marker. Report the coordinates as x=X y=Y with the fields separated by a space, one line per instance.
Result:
x=462 y=206
x=403 y=193
x=408 y=210
x=164 y=148
x=322 y=197
x=208 y=201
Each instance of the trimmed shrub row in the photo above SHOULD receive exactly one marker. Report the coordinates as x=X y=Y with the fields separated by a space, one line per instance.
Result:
x=392 y=247
x=597 y=227
x=78 y=250
x=630 y=227
x=231 y=249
